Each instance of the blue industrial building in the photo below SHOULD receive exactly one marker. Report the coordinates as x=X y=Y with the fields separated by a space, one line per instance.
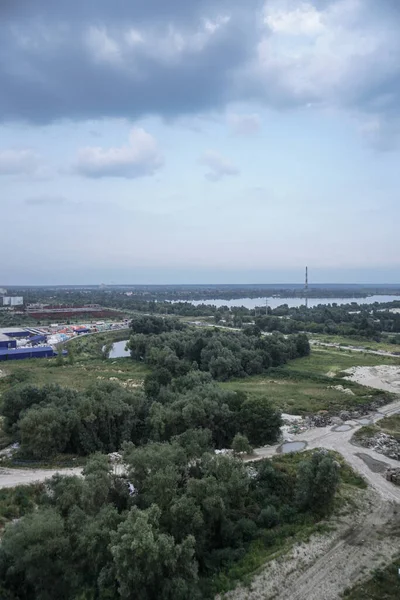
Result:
x=22 y=353
x=14 y=332
x=6 y=342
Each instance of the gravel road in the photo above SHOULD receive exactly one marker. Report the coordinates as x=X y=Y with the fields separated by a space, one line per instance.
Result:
x=12 y=477
x=363 y=540
x=353 y=348
x=329 y=438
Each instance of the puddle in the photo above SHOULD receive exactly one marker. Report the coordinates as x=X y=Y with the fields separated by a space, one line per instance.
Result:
x=364 y=421
x=292 y=447
x=342 y=428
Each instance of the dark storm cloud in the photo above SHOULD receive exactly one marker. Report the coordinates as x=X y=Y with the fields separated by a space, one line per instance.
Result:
x=49 y=68
x=101 y=58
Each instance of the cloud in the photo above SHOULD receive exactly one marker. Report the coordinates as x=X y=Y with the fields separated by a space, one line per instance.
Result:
x=19 y=162
x=118 y=60
x=218 y=166
x=139 y=158
x=95 y=59
x=244 y=124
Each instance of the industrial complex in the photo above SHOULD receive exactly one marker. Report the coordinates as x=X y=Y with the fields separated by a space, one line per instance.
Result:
x=18 y=343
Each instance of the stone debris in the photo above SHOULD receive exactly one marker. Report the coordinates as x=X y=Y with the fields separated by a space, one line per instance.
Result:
x=393 y=475
x=384 y=444
x=341 y=388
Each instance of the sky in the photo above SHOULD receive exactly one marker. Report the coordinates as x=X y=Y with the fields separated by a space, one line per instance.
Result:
x=219 y=141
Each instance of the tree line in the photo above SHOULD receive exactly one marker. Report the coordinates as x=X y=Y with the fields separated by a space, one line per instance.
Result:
x=163 y=531
x=54 y=420
x=223 y=354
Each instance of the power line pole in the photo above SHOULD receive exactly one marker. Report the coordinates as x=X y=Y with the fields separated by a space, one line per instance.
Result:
x=306 y=287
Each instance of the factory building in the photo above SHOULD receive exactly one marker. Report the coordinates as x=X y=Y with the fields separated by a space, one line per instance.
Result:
x=7 y=342
x=23 y=353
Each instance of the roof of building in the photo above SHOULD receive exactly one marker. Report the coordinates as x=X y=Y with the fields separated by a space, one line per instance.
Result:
x=37 y=350
x=13 y=330
x=4 y=338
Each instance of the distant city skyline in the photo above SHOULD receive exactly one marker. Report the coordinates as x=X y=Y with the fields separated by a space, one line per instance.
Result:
x=199 y=142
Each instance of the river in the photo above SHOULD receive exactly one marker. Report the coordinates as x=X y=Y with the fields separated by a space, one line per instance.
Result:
x=294 y=302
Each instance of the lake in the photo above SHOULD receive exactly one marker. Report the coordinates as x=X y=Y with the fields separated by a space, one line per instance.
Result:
x=118 y=350
x=294 y=302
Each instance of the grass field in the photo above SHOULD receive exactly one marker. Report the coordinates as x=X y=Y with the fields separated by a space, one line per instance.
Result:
x=307 y=385
x=332 y=361
x=88 y=366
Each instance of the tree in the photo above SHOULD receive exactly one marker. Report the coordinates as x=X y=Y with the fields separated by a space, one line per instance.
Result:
x=33 y=555
x=44 y=431
x=259 y=421
x=71 y=354
x=317 y=482
x=149 y=565
x=241 y=445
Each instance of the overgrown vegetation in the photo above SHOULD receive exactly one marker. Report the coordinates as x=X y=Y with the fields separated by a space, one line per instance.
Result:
x=52 y=420
x=223 y=354
x=384 y=584
x=180 y=518
x=19 y=501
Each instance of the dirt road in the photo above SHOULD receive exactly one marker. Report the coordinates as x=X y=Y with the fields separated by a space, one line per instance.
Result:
x=326 y=565
x=353 y=348
x=331 y=439
x=365 y=538
x=12 y=477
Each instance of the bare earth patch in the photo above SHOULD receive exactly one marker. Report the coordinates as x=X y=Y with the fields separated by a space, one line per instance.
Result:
x=383 y=377
x=325 y=566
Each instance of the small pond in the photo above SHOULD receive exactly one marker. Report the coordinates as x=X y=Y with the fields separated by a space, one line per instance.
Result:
x=364 y=421
x=288 y=447
x=342 y=428
x=118 y=350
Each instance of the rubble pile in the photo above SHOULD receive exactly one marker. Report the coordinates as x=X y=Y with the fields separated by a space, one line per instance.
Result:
x=384 y=444
x=319 y=420
x=393 y=475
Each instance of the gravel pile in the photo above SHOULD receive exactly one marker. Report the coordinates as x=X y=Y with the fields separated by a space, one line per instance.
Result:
x=384 y=444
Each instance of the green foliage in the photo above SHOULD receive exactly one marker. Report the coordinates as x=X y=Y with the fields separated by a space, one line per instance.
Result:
x=18 y=501
x=149 y=564
x=32 y=547
x=241 y=444
x=221 y=353
x=317 y=482
x=44 y=431
x=165 y=530
x=52 y=420
x=260 y=421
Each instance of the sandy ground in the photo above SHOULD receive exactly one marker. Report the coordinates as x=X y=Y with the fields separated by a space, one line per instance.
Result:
x=364 y=539
x=384 y=377
x=327 y=564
